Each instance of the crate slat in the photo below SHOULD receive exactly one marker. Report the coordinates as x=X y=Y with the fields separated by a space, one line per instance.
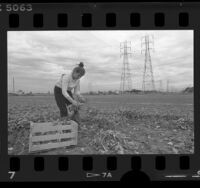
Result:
x=52 y=137
x=30 y=136
x=47 y=146
x=49 y=128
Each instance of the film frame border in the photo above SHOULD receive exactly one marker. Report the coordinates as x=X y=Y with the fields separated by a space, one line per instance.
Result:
x=100 y=17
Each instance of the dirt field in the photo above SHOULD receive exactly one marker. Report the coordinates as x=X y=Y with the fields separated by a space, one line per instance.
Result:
x=131 y=124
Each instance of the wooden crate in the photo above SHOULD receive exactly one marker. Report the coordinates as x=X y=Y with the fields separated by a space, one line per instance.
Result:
x=45 y=136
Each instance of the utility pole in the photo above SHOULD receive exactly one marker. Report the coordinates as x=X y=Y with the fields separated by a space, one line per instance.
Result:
x=160 y=81
x=126 y=81
x=90 y=88
x=167 y=86
x=13 y=85
x=147 y=44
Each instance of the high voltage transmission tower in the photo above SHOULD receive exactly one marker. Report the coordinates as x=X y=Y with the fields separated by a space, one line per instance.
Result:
x=147 y=44
x=126 y=81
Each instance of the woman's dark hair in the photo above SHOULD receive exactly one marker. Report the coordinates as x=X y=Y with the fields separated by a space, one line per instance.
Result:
x=80 y=69
x=81 y=64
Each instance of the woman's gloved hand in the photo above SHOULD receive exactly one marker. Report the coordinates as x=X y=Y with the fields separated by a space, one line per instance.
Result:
x=76 y=105
x=81 y=99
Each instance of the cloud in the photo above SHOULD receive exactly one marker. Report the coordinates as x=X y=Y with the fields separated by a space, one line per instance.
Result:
x=36 y=58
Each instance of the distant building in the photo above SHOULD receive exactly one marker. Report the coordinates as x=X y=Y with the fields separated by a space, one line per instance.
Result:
x=29 y=94
x=20 y=92
x=135 y=91
x=12 y=94
x=188 y=90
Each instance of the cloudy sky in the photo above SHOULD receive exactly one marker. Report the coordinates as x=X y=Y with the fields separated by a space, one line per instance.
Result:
x=36 y=59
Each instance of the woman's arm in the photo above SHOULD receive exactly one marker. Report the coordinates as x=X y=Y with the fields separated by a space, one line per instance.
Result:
x=81 y=99
x=77 y=90
x=65 y=81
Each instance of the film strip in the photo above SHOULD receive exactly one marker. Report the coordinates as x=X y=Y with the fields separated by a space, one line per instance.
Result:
x=181 y=162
